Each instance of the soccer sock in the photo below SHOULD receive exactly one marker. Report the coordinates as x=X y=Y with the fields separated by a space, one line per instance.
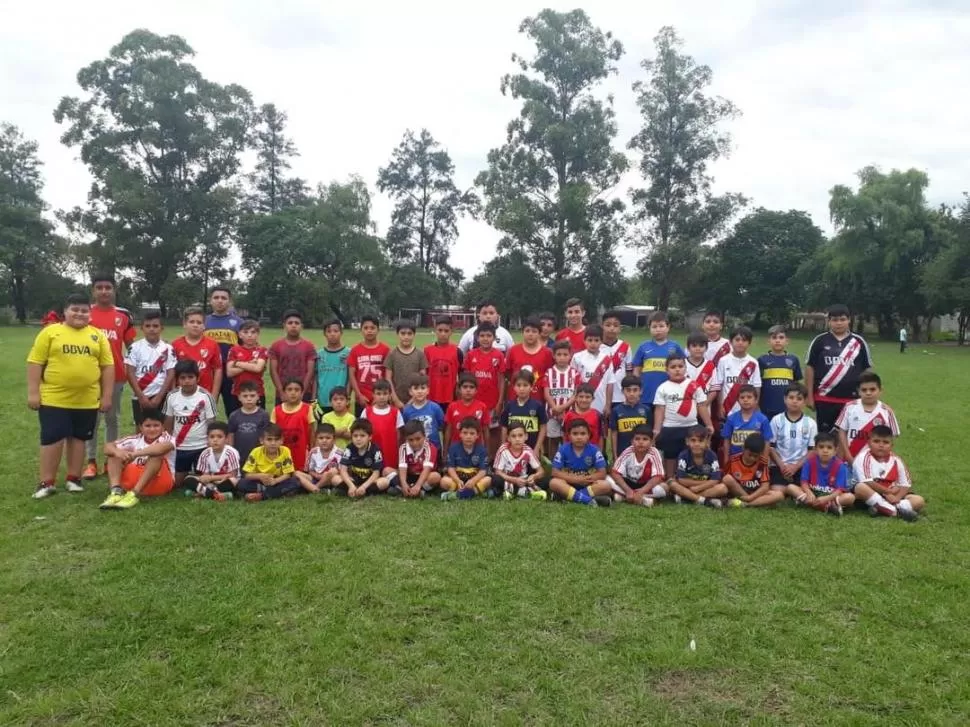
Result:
x=480 y=487
x=905 y=504
x=117 y=490
x=658 y=492
x=466 y=493
x=701 y=499
x=47 y=483
x=571 y=493
x=73 y=478
x=392 y=479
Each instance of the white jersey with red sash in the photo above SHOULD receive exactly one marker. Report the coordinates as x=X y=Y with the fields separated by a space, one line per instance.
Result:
x=151 y=364
x=622 y=365
x=888 y=472
x=703 y=373
x=857 y=423
x=716 y=350
x=639 y=471
x=837 y=364
x=680 y=400
x=319 y=461
x=522 y=464
x=227 y=463
x=191 y=414
x=731 y=374
x=597 y=371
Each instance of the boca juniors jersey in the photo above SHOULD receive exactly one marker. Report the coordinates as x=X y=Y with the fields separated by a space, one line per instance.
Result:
x=625 y=418
x=590 y=459
x=651 y=359
x=777 y=372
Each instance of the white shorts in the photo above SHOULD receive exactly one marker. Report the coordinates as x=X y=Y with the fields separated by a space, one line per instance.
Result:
x=554 y=428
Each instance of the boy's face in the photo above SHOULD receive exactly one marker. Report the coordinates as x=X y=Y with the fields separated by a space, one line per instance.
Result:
x=881 y=447
x=641 y=443
x=467 y=391
x=293 y=327
x=339 y=403
x=632 y=394
x=712 y=327
x=869 y=392
x=468 y=437
x=584 y=400
x=151 y=429
x=442 y=333
x=696 y=351
x=188 y=381
x=825 y=451
x=523 y=389
x=530 y=336
x=272 y=444
x=194 y=325
x=676 y=370
x=216 y=439
x=488 y=314
x=405 y=337
x=659 y=330
x=219 y=301
x=419 y=392
x=360 y=438
x=579 y=437
x=794 y=402
x=381 y=397
x=152 y=330
x=574 y=316
x=249 y=336
x=747 y=401
x=292 y=393
x=248 y=399
x=696 y=445
x=562 y=357
x=611 y=330
x=517 y=437
x=325 y=441
x=778 y=342
x=485 y=340
x=416 y=440
x=332 y=335
x=547 y=327
x=749 y=457
x=77 y=315
x=593 y=344
x=839 y=325
x=739 y=345
x=369 y=331
x=104 y=293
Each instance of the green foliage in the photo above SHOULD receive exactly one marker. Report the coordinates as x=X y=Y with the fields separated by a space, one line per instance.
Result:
x=272 y=189
x=945 y=280
x=510 y=279
x=547 y=189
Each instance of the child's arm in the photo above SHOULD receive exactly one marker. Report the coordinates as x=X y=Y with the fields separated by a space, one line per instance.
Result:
x=571 y=478
x=620 y=480
x=608 y=405
x=345 y=478
x=217 y=377
x=274 y=374
x=234 y=368
x=501 y=393
x=169 y=424
x=844 y=446
x=597 y=476
x=540 y=438
x=658 y=419
x=113 y=450
x=354 y=384
x=167 y=386
x=135 y=388
x=704 y=414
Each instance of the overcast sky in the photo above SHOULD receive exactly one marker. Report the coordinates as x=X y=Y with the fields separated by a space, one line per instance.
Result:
x=825 y=87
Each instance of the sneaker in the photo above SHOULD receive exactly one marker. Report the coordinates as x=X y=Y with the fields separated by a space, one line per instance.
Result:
x=603 y=500
x=507 y=496
x=111 y=501
x=539 y=495
x=647 y=501
x=254 y=496
x=714 y=502
x=43 y=491
x=90 y=471
x=735 y=502
x=466 y=493
x=394 y=491
x=450 y=495
x=677 y=499
x=127 y=501
x=74 y=486
x=834 y=508
x=884 y=510
x=908 y=514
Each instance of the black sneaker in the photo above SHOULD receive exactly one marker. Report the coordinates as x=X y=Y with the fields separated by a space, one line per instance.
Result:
x=603 y=500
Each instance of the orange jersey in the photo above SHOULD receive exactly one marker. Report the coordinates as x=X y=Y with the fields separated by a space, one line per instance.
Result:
x=750 y=477
x=119 y=329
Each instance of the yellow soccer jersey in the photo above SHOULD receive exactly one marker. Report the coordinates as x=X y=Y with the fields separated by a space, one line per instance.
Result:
x=339 y=423
x=72 y=359
x=261 y=463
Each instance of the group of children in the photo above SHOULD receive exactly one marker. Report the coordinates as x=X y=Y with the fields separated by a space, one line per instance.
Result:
x=575 y=415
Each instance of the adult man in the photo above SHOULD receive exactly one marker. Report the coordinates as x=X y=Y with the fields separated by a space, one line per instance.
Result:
x=117 y=325
x=903 y=338
x=222 y=326
x=835 y=361
x=70 y=375
x=487 y=312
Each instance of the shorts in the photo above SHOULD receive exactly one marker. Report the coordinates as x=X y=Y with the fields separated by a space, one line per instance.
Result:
x=672 y=441
x=161 y=484
x=58 y=424
x=185 y=460
x=136 y=410
x=778 y=479
x=554 y=428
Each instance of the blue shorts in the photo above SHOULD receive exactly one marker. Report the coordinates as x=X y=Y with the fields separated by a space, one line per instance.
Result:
x=185 y=460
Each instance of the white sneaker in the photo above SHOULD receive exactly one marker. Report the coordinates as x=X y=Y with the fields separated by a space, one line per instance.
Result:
x=74 y=486
x=43 y=491
x=647 y=501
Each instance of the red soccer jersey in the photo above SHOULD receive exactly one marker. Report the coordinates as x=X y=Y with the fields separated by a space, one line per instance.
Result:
x=205 y=353
x=592 y=417
x=385 y=437
x=293 y=360
x=459 y=410
x=577 y=339
x=118 y=328
x=296 y=432
x=247 y=355
x=366 y=365
x=487 y=367
x=444 y=363
x=537 y=363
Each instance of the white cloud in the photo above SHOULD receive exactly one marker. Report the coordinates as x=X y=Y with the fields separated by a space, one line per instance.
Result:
x=823 y=90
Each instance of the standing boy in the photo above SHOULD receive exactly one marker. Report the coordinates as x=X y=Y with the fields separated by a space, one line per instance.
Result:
x=427 y=412
x=547 y=329
x=149 y=366
x=619 y=350
x=366 y=363
x=650 y=360
x=294 y=417
x=222 y=326
x=678 y=406
x=487 y=363
x=467 y=406
x=188 y=410
x=778 y=369
x=340 y=417
x=792 y=435
x=734 y=371
x=860 y=417
x=487 y=312
x=627 y=415
x=246 y=362
x=292 y=357
x=561 y=383
x=717 y=346
x=699 y=368
x=575 y=330
x=523 y=409
x=203 y=352
x=248 y=422
x=331 y=365
x=595 y=367
x=444 y=364
x=531 y=356
x=386 y=421
x=403 y=363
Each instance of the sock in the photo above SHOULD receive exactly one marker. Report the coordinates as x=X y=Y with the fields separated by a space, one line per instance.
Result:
x=904 y=505
x=658 y=492
x=571 y=494
x=874 y=500
x=392 y=479
x=74 y=478
x=480 y=487
x=47 y=483
x=581 y=496
x=466 y=493
x=701 y=500
x=117 y=490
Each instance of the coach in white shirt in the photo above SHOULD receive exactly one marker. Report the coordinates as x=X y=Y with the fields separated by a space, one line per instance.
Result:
x=487 y=312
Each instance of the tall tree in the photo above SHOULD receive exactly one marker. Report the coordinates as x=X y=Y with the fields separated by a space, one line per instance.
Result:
x=681 y=136
x=946 y=278
x=547 y=189
x=511 y=279
x=163 y=144
x=272 y=189
x=420 y=179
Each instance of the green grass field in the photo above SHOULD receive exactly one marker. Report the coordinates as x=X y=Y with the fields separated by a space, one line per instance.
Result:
x=328 y=612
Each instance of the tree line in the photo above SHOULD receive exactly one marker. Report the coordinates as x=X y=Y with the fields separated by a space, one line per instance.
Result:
x=171 y=196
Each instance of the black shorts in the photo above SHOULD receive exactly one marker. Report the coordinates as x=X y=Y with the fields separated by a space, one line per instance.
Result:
x=825 y=415
x=672 y=441
x=777 y=478
x=185 y=459
x=58 y=424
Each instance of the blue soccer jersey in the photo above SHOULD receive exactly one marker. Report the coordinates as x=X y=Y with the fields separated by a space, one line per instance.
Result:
x=777 y=372
x=651 y=359
x=531 y=415
x=736 y=429
x=431 y=416
x=568 y=459
x=624 y=419
x=467 y=464
x=224 y=330
x=825 y=479
x=707 y=469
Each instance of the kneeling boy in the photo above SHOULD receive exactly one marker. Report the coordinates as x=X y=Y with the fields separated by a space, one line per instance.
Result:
x=467 y=473
x=579 y=469
x=417 y=461
x=882 y=479
x=142 y=464
x=269 y=471
x=747 y=476
x=824 y=478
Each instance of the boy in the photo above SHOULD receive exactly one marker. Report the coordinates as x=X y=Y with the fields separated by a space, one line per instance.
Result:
x=331 y=367
x=386 y=421
x=547 y=326
x=523 y=409
x=532 y=356
x=717 y=346
x=678 y=405
x=823 y=479
x=487 y=363
x=699 y=368
x=292 y=357
x=366 y=363
x=747 y=475
x=859 y=417
x=467 y=465
x=269 y=473
x=322 y=472
x=141 y=464
x=882 y=479
x=733 y=372
x=487 y=312
x=575 y=331
x=619 y=350
x=417 y=462
x=188 y=410
x=650 y=360
x=222 y=326
x=467 y=406
x=149 y=367
x=595 y=367
x=403 y=363
x=362 y=470
x=559 y=390
x=792 y=434
x=583 y=411
x=626 y=416
x=444 y=364
x=579 y=470
x=217 y=470
x=340 y=417
x=247 y=423
x=419 y=409
x=194 y=346
x=778 y=369
x=246 y=362
x=516 y=469
x=638 y=473
x=296 y=421
x=739 y=425
x=698 y=477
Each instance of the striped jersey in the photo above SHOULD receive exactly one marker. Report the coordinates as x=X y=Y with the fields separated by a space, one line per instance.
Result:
x=417 y=460
x=857 y=423
x=561 y=385
x=639 y=471
x=889 y=472
x=151 y=364
x=320 y=461
x=226 y=463
x=793 y=439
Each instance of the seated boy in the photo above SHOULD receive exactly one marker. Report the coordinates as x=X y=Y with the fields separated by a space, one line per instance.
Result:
x=824 y=479
x=747 y=475
x=269 y=471
x=417 y=462
x=579 y=469
x=322 y=472
x=517 y=470
x=141 y=464
x=217 y=470
x=638 y=473
x=882 y=480
x=698 y=476
x=362 y=470
x=467 y=466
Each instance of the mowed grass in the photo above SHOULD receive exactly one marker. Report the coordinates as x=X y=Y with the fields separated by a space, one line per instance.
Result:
x=320 y=612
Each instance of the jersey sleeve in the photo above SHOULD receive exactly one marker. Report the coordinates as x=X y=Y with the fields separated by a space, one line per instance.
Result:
x=600 y=461
x=756 y=377
x=557 y=460
x=309 y=415
x=210 y=406
x=865 y=355
x=400 y=420
x=250 y=465
x=542 y=415
x=40 y=351
x=287 y=467
x=727 y=429
x=859 y=470
x=797 y=369
x=814 y=352
x=717 y=380
x=658 y=398
x=763 y=471
x=273 y=352
x=682 y=465
x=639 y=356
x=700 y=396
x=841 y=421
x=716 y=472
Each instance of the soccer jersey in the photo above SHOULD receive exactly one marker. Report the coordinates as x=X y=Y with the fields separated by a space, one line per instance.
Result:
x=191 y=414
x=749 y=476
x=360 y=465
x=246 y=429
x=224 y=463
x=717 y=349
x=403 y=367
x=622 y=357
x=206 y=355
x=469 y=339
x=151 y=364
x=137 y=442
x=651 y=359
x=624 y=418
x=778 y=371
x=518 y=359
x=707 y=469
x=262 y=463
x=587 y=461
x=825 y=478
x=297 y=426
x=888 y=472
x=487 y=366
x=522 y=464
x=592 y=418
x=430 y=416
x=459 y=411
x=531 y=415
x=467 y=464
x=331 y=371
x=680 y=401
x=737 y=428
x=857 y=423
x=340 y=422
x=793 y=439
x=386 y=421
x=320 y=461
x=444 y=364
x=72 y=359
x=415 y=461
x=702 y=373
x=293 y=359
x=561 y=385
x=248 y=355
x=118 y=328
x=639 y=471
x=224 y=330
x=837 y=366
x=730 y=375
x=597 y=371
x=577 y=339
x=367 y=364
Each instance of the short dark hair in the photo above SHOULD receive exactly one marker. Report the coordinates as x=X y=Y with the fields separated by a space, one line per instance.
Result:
x=272 y=430
x=755 y=443
x=338 y=391
x=547 y=316
x=287 y=383
x=152 y=413
x=713 y=314
x=332 y=322
x=675 y=356
x=192 y=310
x=248 y=386
x=797 y=387
x=470 y=423
x=104 y=277
x=532 y=322
x=362 y=425
x=466 y=378
x=586 y=389
x=223 y=288
x=742 y=332
x=485 y=327
x=369 y=318
x=404 y=325
x=577 y=423
x=825 y=438
x=523 y=375
x=513 y=425
x=326 y=428
x=594 y=330
x=643 y=430
x=573 y=302
x=382 y=385
x=419 y=380
x=151 y=315
x=747 y=389
x=560 y=345
x=881 y=431
x=443 y=321
x=696 y=338
x=630 y=381
x=658 y=316
x=870 y=377
x=217 y=426
x=611 y=314
x=249 y=324
x=76 y=299
x=776 y=329
x=837 y=310
x=414 y=426
x=699 y=432
x=292 y=313
x=186 y=367
x=485 y=303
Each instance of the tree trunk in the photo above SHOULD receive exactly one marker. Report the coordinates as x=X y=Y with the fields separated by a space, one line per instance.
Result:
x=663 y=297
x=963 y=320
x=20 y=298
